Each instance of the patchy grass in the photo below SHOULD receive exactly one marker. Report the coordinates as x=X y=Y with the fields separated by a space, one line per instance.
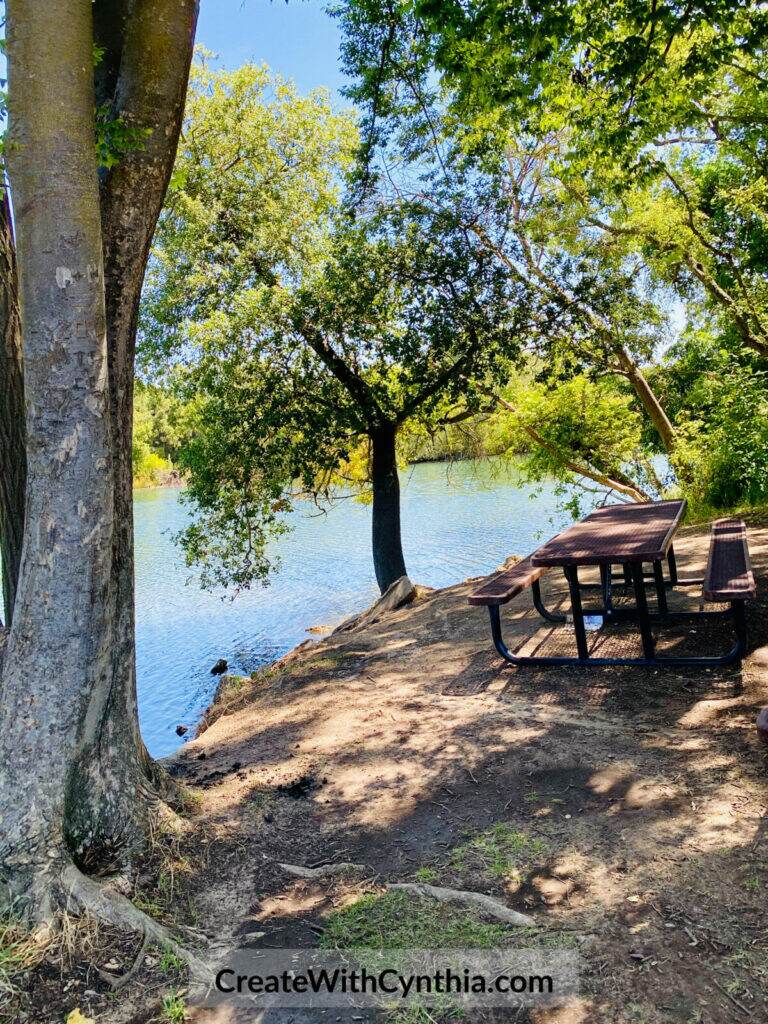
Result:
x=170 y=908
x=167 y=871
x=318 y=663
x=501 y=852
x=186 y=801
x=174 y=1009
x=18 y=954
x=33 y=967
x=170 y=962
x=420 y=1015
x=396 y=920
x=428 y=875
x=382 y=928
x=233 y=693
x=301 y=669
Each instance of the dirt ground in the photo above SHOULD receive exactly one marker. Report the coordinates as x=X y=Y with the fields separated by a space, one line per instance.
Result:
x=643 y=793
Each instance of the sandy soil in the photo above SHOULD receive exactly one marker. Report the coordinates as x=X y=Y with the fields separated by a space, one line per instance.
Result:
x=388 y=745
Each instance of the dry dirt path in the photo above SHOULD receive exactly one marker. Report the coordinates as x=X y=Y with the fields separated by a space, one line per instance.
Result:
x=644 y=794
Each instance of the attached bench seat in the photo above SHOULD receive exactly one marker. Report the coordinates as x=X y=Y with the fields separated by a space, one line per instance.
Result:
x=508 y=584
x=729 y=575
x=728 y=580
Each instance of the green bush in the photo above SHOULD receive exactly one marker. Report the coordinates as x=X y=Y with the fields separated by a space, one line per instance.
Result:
x=719 y=399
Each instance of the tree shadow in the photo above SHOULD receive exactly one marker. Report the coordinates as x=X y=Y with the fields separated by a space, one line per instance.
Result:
x=646 y=791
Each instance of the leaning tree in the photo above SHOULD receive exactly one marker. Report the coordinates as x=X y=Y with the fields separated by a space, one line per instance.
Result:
x=96 y=96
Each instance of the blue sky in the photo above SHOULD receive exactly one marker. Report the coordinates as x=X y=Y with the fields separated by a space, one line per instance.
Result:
x=297 y=38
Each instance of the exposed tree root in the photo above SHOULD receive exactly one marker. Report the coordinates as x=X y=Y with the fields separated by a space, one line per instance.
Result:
x=120 y=981
x=110 y=907
x=321 y=872
x=489 y=905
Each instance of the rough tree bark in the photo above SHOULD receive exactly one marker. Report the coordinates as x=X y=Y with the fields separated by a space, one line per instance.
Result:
x=57 y=672
x=142 y=78
x=388 y=560
x=69 y=729
x=13 y=459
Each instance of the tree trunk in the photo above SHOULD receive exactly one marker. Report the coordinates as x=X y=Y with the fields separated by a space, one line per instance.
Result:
x=58 y=668
x=152 y=51
x=388 y=560
x=647 y=398
x=13 y=456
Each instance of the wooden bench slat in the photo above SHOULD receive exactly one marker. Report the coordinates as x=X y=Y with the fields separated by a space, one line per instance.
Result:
x=507 y=584
x=729 y=575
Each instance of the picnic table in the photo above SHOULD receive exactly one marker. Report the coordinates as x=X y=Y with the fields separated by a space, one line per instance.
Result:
x=630 y=536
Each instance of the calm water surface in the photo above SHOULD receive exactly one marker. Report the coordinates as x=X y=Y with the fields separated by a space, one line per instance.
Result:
x=458 y=521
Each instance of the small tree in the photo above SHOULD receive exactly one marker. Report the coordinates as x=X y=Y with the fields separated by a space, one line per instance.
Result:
x=406 y=318
x=310 y=329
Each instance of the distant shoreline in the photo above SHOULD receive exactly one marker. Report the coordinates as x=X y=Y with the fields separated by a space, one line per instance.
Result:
x=173 y=482
x=176 y=481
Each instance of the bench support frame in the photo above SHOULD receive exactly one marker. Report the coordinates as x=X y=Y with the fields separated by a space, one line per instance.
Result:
x=641 y=613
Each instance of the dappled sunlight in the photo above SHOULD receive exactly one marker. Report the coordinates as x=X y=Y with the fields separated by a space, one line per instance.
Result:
x=580 y=1012
x=294 y=899
x=406 y=742
x=380 y=785
x=226 y=1014
x=708 y=712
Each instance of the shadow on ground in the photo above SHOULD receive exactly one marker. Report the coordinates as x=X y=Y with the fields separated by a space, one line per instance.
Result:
x=395 y=745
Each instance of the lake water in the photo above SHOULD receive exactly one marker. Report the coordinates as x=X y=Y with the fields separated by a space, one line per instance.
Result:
x=459 y=520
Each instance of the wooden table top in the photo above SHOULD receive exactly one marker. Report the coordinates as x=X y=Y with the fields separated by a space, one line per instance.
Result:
x=615 y=534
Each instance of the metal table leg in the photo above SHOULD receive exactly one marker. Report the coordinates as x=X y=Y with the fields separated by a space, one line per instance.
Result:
x=738 y=608
x=572 y=575
x=649 y=648
x=606 y=581
x=661 y=590
x=672 y=563
x=538 y=604
x=730 y=657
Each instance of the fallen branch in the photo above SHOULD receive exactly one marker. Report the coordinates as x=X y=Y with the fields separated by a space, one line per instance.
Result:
x=733 y=998
x=489 y=905
x=312 y=874
x=114 y=909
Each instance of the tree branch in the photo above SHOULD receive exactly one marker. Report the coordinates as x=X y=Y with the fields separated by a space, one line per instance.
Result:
x=353 y=383
x=623 y=485
x=725 y=299
x=431 y=389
